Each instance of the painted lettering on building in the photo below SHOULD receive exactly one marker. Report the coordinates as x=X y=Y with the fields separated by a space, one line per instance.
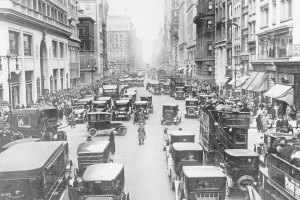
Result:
x=292 y=187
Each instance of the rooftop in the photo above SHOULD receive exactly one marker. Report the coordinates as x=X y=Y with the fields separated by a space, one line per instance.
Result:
x=240 y=152
x=187 y=146
x=102 y=172
x=92 y=147
x=203 y=171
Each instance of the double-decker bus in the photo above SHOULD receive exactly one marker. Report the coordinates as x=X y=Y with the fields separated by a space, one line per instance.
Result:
x=35 y=170
x=175 y=81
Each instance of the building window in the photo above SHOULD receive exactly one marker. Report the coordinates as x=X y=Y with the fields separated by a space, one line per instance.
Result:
x=27 y=42
x=34 y=4
x=88 y=7
x=81 y=32
x=61 y=49
x=14 y=43
x=54 y=48
x=286 y=10
x=39 y=6
x=209 y=50
x=209 y=70
x=82 y=45
x=264 y=13
x=209 y=24
x=209 y=5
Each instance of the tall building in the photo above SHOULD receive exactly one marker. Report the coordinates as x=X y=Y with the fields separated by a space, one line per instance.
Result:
x=37 y=35
x=205 y=54
x=191 y=12
x=73 y=45
x=167 y=36
x=120 y=36
x=138 y=56
x=220 y=41
x=97 y=10
x=174 y=37
x=182 y=35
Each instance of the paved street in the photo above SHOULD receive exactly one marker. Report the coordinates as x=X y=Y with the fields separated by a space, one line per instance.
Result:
x=145 y=166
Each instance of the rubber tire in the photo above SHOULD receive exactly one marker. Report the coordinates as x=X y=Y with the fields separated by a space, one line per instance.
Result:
x=168 y=118
x=193 y=111
x=92 y=131
x=120 y=132
x=243 y=178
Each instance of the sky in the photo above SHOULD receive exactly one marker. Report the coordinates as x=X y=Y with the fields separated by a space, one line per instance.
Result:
x=147 y=17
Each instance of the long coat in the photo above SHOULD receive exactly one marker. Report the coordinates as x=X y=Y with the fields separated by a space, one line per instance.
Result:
x=258 y=123
x=142 y=133
x=112 y=144
x=264 y=123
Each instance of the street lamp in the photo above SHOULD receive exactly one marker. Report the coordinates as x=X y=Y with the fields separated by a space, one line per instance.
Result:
x=92 y=68
x=9 y=57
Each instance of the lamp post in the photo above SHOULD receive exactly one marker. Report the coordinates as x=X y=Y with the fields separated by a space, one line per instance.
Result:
x=92 y=68
x=9 y=57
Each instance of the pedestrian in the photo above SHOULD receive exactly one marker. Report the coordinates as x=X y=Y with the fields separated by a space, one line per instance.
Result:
x=73 y=122
x=297 y=119
x=288 y=112
x=141 y=135
x=264 y=123
x=279 y=124
x=89 y=138
x=259 y=123
x=112 y=144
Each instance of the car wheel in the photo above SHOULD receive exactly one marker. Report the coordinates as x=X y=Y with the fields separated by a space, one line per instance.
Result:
x=244 y=180
x=92 y=131
x=168 y=118
x=122 y=131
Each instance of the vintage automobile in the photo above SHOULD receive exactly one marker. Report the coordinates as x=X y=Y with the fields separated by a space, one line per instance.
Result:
x=92 y=152
x=165 y=89
x=141 y=82
x=86 y=103
x=122 y=109
x=100 y=106
x=131 y=104
x=149 y=102
x=100 y=123
x=142 y=105
x=157 y=89
x=35 y=170
x=179 y=93
x=192 y=108
x=201 y=182
x=204 y=97
x=100 y=181
x=188 y=90
x=130 y=94
x=80 y=113
x=183 y=154
x=177 y=136
x=108 y=101
x=111 y=91
x=241 y=167
x=33 y=122
x=170 y=114
x=19 y=141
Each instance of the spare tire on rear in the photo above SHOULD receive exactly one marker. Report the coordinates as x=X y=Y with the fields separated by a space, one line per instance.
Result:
x=243 y=181
x=168 y=118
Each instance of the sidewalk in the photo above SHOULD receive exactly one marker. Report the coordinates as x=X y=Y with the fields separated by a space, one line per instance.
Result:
x=64 y=124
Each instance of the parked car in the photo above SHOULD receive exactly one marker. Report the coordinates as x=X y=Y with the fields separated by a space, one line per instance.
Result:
x=108 y=101
x=192 y=108
x=122 y=110
x=100 y=181
x=165 y=89
x=90 y=153
x=100 y=123
x=183 y=154
x=170 y=114
x=80 y=113
x=205 y=182
x=149 y=102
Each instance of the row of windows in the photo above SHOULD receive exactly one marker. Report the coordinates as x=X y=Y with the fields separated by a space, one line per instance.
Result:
x=57 y=49
x=47 y=9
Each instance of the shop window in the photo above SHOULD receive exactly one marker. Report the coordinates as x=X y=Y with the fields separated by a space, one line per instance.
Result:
x=14 y=43
x=61 y=49
x=27 y=42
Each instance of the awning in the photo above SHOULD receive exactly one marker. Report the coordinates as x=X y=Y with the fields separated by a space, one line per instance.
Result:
x=278 y=90
x=239 y=81
x=288 y=97
x=258 y=84
x=250 y=80
x=223 y=81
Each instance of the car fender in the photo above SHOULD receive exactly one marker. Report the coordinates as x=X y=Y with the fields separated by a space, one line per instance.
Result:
x=229 y=181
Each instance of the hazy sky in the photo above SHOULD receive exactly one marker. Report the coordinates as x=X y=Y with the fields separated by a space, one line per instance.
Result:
x=147 y=17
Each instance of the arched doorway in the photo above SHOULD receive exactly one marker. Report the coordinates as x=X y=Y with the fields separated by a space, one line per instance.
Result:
x=43 y=66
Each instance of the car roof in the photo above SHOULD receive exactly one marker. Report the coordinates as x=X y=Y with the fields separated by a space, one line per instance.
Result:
x=28 y=156
x=110 y=86
x=130 y=92
x=122 y=101
x=191 y=100
x=99 y=102
x=102 y=172
x=170 y=104
x=20 y=141
x=179 y=87
x=141 y=102
x=92 y=147
x=187 y=146
x=179 y=133
x=203 y=171
x=240 y=152
x=102 y=113
x=145 y=96
x=103 y=98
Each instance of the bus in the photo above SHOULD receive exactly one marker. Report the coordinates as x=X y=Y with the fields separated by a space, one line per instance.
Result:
x=35 y=170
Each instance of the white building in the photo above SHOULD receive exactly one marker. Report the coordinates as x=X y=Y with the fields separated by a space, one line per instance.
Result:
x=182 y=34
x=37 y=33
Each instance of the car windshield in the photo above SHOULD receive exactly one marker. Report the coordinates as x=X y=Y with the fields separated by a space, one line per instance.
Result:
x=122 y=107
x=205 y=184
x=78 y=107
x=242 y=161
x=186 y=156
x=99 y=117
x=179 y=89
x=24 y=188
x=191 y=103
x=99 y=105
x=182 y=138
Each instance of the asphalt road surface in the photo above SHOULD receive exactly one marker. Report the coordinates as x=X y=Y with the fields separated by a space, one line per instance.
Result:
x=145 y=165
